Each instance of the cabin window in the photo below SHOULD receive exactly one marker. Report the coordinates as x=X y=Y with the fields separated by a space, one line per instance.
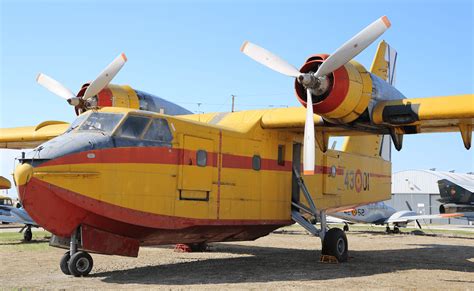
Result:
x=6 y=201
x=201 y=158
x=256 y=163
x=104 y=122
x=281 y=155
x=133 y=127
x=159 y=131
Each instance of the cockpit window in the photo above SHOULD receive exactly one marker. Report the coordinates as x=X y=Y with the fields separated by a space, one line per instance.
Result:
x=158 y=131
x=133 y=127
x=77 y=122
x=104 y=122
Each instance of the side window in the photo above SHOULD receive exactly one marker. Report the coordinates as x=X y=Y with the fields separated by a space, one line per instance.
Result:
x=159 y=131
x=256 y=163
x=133 y=127
x=201 y=158
x=281 y=155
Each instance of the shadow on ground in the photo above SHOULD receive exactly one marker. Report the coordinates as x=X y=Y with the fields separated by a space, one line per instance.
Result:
x=267 y=264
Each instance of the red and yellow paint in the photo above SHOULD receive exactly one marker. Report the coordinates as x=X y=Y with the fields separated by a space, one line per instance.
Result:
x=161 y=195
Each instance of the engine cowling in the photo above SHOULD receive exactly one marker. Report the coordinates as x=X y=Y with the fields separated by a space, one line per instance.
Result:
x=349 y=93
x=127 y=97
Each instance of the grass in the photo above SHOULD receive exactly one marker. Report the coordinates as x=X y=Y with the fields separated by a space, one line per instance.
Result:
x=371 y=228
x=14 y=240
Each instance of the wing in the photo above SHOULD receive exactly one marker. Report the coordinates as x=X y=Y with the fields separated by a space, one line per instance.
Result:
x=15 y=215
x=418 y=217
x=334 y=220
x=31 y=136
x=293 y=119
x=432 y=114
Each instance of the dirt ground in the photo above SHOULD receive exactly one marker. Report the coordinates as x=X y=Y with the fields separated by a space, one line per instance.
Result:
x=282 y=260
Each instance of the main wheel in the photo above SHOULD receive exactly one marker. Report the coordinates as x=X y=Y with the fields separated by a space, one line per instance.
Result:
x=63 y=264
x=27 y=235
x=335 y=244
x=396 y=229
x=346 y=227
x=80 y=264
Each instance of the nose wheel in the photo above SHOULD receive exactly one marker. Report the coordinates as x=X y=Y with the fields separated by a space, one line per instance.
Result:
x=28 y=235
x=74 y=262
x=80 y=264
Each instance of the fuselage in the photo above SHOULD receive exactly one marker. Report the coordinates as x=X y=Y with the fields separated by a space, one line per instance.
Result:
x=374 y=213
x=160 y=179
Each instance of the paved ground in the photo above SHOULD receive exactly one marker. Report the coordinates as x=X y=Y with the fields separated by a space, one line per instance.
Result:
x=285 y=259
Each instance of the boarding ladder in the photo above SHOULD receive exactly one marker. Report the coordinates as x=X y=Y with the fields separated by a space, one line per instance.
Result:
x=299 y=207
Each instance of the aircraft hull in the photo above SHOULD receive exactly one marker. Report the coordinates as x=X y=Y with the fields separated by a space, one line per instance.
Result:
x=115 y=230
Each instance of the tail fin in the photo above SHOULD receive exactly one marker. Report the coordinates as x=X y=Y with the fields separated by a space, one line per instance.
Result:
x=384 y=63
x=384 y=67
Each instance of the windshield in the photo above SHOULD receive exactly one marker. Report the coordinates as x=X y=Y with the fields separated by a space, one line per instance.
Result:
x=77 y=122
x=104 y=122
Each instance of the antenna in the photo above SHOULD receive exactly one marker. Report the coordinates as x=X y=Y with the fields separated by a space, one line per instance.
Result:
x=233 y=103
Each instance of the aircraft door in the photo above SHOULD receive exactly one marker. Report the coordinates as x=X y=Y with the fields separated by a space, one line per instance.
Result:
x=195 y=181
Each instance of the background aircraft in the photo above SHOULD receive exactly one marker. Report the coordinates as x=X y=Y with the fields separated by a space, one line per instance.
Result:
x=381 y=214
x=123 y=175
x=10 y=213
x=456 y=197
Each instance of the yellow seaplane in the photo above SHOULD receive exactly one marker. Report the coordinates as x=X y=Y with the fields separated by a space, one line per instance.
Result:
x=136 y=170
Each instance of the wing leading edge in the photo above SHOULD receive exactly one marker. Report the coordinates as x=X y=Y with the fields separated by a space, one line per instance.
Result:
x=31 y=136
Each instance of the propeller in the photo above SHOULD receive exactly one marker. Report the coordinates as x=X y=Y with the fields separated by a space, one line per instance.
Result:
x=100 y=82
x=409 y=207
x=317 y=82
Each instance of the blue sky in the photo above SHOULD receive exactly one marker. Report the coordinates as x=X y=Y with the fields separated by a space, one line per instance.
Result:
x=188 y=52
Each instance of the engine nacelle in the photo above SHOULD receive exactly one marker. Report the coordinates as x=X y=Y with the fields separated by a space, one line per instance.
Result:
x=455 y=208
x=351 y=90
x=125 y=96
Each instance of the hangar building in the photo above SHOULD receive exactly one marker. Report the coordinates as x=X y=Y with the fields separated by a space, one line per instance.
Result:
x=420 y=189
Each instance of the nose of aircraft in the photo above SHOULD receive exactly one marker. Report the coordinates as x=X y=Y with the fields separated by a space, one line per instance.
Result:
x=23 y=174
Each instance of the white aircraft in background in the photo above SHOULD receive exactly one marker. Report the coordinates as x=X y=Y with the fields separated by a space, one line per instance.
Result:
x=382 y=214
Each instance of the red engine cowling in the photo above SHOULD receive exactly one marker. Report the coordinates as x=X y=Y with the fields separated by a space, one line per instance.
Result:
x=349 y=93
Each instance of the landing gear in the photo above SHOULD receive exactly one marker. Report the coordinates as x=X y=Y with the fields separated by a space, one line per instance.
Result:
x=395 y=229
x=74 y=262
x=28 y=235
x=63 y=264
x=80 y=264
x=346 y=227
x=334 y=241
x=335 y=244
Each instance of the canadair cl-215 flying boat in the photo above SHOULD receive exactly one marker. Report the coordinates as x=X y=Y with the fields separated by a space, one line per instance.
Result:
x=127 y=174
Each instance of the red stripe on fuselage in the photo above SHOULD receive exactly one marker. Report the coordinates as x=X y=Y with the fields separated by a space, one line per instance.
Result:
x=162 y=155
x=173 y=156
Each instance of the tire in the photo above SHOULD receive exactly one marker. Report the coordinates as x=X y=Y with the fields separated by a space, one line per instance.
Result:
x=28 y=235
x=335 y=244
x=80 y=264
x=396 y=230
x=63 y=264
x=198 y=247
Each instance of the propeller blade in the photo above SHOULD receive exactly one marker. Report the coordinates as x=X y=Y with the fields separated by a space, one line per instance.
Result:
x=408 y=205
x=54 y=86
x=269 y=59
x=354 y=46
x=104 y=78
x=308 y=154
x=419 y=225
